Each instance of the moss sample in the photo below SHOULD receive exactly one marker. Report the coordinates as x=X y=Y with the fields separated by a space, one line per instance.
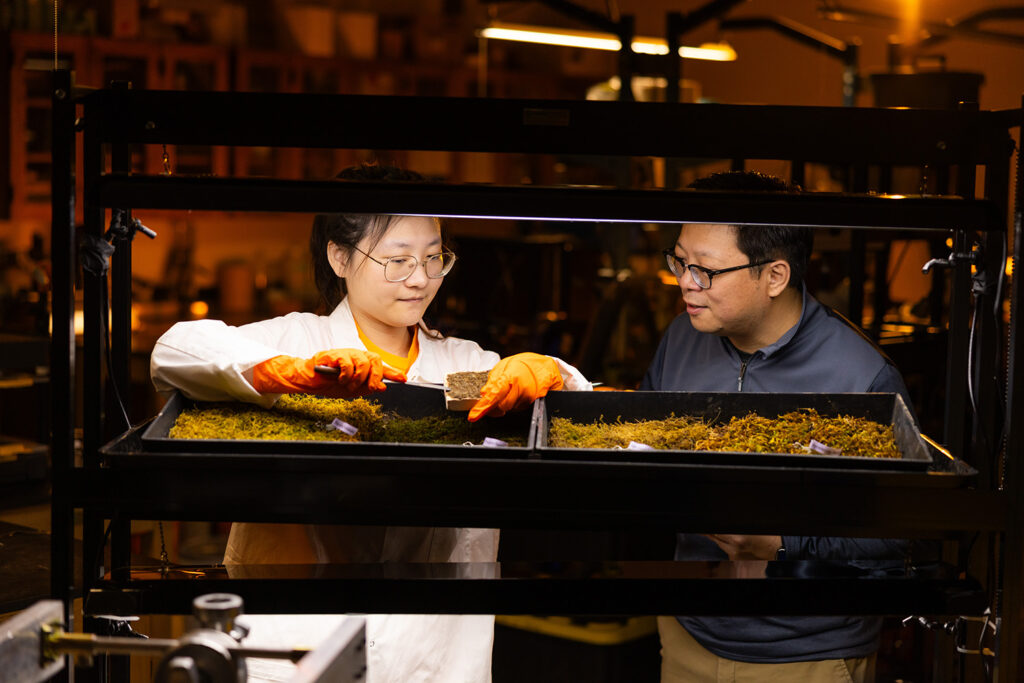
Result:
x=293 y=417
x=791 y=433
x=463 y=385
x=298 y=417
x=444 y=429
x=672 y=432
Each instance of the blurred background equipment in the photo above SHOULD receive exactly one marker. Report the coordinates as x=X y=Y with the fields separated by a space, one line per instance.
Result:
x=211 y=651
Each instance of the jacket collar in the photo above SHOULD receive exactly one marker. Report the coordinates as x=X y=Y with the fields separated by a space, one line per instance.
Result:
x=807 y=307
x=806 y=310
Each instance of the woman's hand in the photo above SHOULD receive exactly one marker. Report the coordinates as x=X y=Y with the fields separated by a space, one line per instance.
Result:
x=515 y=382
x=359 y=373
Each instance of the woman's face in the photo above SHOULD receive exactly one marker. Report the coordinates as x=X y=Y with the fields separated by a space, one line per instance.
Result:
x=375 y=302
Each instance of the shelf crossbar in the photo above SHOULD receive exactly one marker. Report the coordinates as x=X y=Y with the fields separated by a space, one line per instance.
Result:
x=568 y=203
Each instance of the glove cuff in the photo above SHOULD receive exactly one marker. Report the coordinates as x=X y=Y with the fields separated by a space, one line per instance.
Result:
x=278 y=375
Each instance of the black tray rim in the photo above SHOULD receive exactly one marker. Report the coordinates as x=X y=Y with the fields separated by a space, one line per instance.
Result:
x=921 y=460
x=155 y=440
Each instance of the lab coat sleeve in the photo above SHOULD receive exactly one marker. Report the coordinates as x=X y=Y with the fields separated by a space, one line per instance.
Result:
x=210 y=361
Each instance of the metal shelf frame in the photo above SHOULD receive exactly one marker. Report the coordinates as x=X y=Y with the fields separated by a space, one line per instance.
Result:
x=980 y=490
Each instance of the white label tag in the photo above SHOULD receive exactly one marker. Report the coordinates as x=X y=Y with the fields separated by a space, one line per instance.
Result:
x=343 y=426
x=818 y=447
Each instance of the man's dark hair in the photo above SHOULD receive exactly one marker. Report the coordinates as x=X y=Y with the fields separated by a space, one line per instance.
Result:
x=762 y=242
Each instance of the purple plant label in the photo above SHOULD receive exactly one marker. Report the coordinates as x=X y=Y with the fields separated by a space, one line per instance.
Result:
x=818 y=447
x=343 y=426
x=637 y=446
x=494 y=443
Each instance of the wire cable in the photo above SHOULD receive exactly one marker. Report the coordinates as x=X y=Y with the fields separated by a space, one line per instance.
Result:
x=997 y=295
x=105 y=308
x=970 y=360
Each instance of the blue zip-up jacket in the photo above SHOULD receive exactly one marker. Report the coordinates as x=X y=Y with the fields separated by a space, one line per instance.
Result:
x=822 y=353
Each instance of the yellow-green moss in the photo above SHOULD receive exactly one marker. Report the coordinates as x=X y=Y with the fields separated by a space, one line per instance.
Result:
x=672 y=432
x=303 y=417
x=788 y=433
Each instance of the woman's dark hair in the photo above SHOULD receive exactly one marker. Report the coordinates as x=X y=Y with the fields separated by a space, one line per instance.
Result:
x=763 y=242
x=348 y=229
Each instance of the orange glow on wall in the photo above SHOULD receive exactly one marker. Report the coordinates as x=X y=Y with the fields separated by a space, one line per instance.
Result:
x=910 y=21
x=199 y=309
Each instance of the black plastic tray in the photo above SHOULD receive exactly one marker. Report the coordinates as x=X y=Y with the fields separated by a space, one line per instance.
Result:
x=590 y=406
x=409 y=401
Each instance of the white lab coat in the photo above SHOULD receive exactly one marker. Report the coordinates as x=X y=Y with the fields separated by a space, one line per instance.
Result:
x=210 y=361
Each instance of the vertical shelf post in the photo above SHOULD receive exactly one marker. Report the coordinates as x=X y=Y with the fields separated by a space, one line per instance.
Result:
x=1011 y=585
x=62 y=344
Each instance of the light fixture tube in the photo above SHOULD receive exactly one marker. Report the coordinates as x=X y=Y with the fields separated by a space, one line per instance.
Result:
x=593 y=40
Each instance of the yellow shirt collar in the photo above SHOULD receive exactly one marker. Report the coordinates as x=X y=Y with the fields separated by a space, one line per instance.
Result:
x=401 y=363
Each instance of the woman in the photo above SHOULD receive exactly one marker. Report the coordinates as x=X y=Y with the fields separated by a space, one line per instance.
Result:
x=377 y=274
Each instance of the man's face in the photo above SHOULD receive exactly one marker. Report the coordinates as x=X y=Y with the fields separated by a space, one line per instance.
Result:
x=736 y=304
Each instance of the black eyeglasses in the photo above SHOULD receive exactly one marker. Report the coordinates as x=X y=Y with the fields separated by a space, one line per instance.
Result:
x=399 y=268
x=701 y=275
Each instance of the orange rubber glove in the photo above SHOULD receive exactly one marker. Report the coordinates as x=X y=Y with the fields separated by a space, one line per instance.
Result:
x=515 y=382
x=359 y=373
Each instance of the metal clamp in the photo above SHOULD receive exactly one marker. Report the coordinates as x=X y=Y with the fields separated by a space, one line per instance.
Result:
x=35 y=643
x=989 y=629
x=953 y=259
x=959 y=628
x=96 y=251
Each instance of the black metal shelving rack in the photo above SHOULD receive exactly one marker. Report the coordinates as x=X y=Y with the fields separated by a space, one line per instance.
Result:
x=976 y=490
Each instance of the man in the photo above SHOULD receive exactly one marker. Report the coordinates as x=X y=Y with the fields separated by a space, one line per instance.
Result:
x=750 y=325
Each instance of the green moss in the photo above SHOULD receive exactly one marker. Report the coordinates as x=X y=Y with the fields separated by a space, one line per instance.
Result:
x=443 y=430
x=293 y=417
x=673 y=432
x=297 y=417
x=789 y=433
x=792 y=433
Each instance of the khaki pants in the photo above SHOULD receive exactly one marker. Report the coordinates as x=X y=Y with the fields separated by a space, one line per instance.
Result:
x=684 y=660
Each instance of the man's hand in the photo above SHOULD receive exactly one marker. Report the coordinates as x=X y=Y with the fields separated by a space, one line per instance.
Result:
x=741 y=547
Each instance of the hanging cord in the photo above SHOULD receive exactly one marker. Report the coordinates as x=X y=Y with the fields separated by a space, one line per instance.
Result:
x=997 y=296
x=982 y=287
x=105 y=308
x=997 y=317
x=164 y=560
x=95 y=255
x=970 y=359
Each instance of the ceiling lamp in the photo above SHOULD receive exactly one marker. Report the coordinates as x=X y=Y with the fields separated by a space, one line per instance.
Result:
x=594 y=40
